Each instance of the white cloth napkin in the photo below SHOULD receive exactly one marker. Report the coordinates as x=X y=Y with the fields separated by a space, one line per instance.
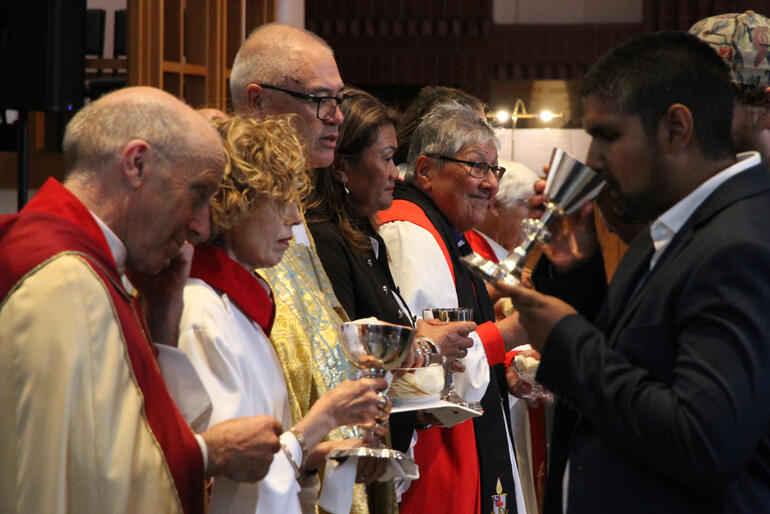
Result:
x=337 y=490
x=339 y=479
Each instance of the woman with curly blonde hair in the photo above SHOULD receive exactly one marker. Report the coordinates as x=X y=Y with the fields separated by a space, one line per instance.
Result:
x=229 y=310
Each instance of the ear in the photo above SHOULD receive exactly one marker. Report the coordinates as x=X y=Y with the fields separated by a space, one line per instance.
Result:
x=676 y=129
x=422 y=173
x=254 y=99
x=133 y=158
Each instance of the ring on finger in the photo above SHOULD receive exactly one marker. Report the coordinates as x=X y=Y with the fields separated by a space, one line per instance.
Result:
x=382 y=401
x=463 y=353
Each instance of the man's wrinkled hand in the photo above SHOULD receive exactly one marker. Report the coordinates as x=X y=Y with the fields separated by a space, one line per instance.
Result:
x=162 y=295
x=242 y=448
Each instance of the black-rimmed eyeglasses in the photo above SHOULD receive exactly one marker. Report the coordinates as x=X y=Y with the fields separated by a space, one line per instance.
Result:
x=326 y=105
x=477 y=169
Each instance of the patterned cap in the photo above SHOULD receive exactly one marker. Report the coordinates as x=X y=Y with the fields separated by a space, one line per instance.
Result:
x=742 y=40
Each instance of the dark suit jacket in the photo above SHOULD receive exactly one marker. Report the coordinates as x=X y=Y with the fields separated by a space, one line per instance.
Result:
x=666 y=405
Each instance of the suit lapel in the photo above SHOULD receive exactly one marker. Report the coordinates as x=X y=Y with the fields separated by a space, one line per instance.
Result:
x=631 y=269
x=746 y=184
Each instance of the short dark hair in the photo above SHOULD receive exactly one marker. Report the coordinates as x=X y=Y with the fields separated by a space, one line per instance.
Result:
x=646 y=75
x=423 y=103
x=752 y=96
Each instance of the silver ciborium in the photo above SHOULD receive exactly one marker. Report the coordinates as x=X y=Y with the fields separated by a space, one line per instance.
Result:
x=570 y=185
x=375 y=348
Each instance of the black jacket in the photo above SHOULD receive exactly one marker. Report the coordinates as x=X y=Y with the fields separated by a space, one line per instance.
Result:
x=666 y=399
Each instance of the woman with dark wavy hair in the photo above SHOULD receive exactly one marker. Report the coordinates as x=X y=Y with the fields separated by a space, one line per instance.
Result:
x=341 y=213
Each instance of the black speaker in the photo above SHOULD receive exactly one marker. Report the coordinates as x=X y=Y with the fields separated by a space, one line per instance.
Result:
x=42 y=54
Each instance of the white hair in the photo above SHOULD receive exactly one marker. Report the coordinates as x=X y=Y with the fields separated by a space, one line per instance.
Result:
x=516 y=184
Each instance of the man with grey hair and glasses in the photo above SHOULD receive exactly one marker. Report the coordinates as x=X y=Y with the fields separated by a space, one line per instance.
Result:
x=451 y=179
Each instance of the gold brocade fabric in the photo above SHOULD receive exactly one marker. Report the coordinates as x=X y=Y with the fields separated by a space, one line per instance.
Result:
x=304 y=336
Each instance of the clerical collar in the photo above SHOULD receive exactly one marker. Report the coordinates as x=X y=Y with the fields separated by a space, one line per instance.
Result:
x=117 y=248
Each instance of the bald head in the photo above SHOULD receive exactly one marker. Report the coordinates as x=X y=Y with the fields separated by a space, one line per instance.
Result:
x=146 y=164
x=94 y=138
x=273 y=54
x=282 y=70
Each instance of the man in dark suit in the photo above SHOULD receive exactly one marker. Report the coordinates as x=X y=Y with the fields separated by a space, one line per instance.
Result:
x=665 y=398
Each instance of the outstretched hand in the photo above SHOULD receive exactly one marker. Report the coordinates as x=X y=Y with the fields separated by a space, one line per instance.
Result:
x=519 y=388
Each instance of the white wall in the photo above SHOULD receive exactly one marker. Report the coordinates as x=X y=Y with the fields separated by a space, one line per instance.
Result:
x=533 y=147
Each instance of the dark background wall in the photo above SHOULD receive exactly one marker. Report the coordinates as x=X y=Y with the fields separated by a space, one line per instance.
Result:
x=394 y=47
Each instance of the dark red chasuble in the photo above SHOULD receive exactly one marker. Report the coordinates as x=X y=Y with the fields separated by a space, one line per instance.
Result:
x=54 y=223
x=218 y=270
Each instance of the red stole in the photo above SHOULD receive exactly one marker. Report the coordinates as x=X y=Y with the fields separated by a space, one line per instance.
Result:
x=218 y=270
x=480 y=245
x=56 y=222
x=449 y=465
x=537 y=415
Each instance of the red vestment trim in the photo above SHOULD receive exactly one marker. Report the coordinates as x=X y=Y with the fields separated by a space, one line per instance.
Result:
x=404 y=210
x=480 y=245
x=56 y=222
x=218 y=270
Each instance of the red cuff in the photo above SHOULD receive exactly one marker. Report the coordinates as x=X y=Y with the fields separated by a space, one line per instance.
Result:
x=509 y=356
x=493 y=342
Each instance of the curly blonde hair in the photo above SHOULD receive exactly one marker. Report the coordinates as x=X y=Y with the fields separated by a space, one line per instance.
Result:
x=265 y=162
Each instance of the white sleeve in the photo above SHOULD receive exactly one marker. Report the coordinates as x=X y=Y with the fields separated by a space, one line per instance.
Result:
x=418 y=267
x=217 y=344
x=207 y=333
x=472 y=384
x=420 y=271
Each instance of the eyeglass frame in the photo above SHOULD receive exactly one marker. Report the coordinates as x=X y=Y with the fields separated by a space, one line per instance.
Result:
x=310 y=98
x=497 y=171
